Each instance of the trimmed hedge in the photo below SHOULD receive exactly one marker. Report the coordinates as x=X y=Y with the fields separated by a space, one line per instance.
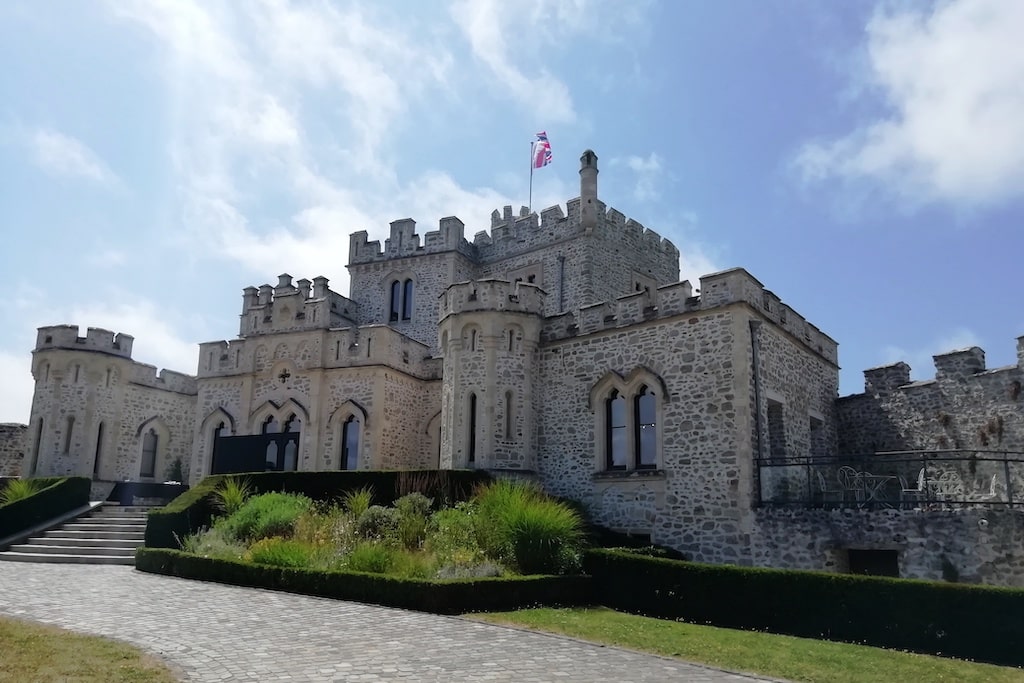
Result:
x=455 y=596
x=57 y=496
x=967 y=621
x=195 y=508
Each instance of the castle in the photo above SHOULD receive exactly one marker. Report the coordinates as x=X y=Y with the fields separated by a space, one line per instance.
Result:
x=558 y=347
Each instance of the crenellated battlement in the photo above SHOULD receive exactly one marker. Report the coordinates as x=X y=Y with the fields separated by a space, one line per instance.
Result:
x=304 y=305
x=492 y=295
x=404 y=242
x=951 y=366
x=717 y=289
x=95 y=339
x=167 y=380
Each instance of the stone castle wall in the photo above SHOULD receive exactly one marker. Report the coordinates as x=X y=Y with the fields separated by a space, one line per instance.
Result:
x=971 y=545
x=13 y=440
x=965 y=407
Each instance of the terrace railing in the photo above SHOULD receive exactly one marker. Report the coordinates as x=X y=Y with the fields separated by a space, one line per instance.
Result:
x=896 y=479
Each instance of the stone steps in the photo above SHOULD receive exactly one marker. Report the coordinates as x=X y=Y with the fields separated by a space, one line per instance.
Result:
x=109 y=534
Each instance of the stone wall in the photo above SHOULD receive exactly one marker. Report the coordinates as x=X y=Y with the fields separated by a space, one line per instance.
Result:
x=13 y=439
x=965 y=407
x=973 y=545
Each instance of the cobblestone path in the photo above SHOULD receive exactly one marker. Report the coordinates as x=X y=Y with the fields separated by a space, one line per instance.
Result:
x=211 y=632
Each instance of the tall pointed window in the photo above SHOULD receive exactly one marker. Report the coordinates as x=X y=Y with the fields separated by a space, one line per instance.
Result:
x=615 y=408
x=396 y=300
x=292 y=428
x=150 y=443
x=99 y=451
x=69 y=429
x=350 y=444
x=471 y=436
x=646 y=430
x=407 y=300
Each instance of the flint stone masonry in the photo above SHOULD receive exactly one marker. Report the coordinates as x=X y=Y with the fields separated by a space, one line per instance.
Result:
x=965 y=407
x=12 y=448
x=506 y=351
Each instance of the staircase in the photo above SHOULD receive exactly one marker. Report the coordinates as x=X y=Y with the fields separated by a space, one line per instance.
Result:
x=106 y=535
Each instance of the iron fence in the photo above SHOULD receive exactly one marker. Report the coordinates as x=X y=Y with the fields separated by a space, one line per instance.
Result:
x=895 y=479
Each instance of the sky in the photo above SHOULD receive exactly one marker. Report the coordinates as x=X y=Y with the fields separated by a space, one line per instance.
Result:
x=864 y=160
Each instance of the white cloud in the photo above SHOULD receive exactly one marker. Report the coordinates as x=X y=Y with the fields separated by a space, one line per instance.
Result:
x=64 y=155
x=952 y=79
x=487 y=23
x=920 y=359
x=156 y=341
x=647 y=172
x=16 y=394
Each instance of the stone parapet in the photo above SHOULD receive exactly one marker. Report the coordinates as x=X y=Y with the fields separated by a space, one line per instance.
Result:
x=287 y=307
x=95 y=339
x=492 y=295
x=168 y=380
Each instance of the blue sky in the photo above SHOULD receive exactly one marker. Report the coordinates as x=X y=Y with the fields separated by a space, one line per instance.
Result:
x=864 y=160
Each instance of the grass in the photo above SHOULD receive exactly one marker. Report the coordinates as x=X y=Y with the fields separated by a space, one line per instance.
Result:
x=32 y=652
x=794 y=659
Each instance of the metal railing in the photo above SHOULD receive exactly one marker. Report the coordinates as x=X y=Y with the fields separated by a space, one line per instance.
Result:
x=895 y=479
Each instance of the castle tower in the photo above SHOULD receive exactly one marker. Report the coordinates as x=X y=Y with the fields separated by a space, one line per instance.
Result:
x=588 y=190
x=489 y=333
x=73 y=425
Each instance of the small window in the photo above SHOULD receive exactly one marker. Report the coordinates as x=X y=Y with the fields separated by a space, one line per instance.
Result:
x=874 y=562
x=99 y=451
x=509 y=415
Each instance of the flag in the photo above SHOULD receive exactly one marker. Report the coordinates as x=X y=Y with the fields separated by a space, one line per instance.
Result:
x=541 y=150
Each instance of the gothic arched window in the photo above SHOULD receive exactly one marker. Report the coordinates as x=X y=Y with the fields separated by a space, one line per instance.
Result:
x=350 y=444
x=616 y=442
x=407 y=300
x=396 y=300
x=646 y=438
x=150 y=443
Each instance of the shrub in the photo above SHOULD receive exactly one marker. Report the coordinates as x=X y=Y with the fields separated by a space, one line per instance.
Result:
x=413 y=510
x=212 y=543
x=451 y=536
x=378 y=523
x=544 y=537
x=232 y=494
x=374 y=558
x=518 y=524
x=19 y=489
x=320 y=525
x=280 y=552
x=358 y=501
x=271 y=514
x=441 y=597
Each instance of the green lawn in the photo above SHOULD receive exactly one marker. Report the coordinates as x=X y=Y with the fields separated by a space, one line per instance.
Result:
x=37 y=653
x=795 y=659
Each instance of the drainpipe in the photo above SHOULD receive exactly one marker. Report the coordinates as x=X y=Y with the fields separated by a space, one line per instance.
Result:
x=755 y=325
x=561 y=281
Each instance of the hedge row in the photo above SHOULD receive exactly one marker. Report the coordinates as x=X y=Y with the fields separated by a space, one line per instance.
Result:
x=195 y=508
x=57 y=495
x=456 y=596
x=972 y=622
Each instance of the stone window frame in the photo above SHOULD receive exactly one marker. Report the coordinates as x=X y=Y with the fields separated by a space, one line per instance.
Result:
x=532 y=274
x=400 y=294
x=341 y=416
x=629 y=388
x=163 y=439
x=471 y=337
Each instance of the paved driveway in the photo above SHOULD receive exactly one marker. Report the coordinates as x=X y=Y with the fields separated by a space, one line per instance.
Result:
x=213 y=632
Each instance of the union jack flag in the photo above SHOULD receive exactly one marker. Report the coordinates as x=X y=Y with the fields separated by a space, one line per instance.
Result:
x=541 y=150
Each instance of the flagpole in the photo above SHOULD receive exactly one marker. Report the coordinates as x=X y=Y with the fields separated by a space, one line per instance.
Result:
x=529 y=207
